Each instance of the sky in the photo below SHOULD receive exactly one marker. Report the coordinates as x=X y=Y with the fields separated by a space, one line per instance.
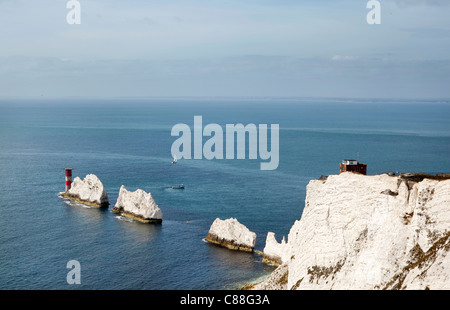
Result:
x=254 y=48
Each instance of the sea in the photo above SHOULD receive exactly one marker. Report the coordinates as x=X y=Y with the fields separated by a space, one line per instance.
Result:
x=127 y=141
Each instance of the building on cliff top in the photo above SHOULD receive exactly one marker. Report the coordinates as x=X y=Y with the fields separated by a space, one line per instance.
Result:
x=353 y=166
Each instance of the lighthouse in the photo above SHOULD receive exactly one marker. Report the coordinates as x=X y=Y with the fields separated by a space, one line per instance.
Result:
x=68 y=178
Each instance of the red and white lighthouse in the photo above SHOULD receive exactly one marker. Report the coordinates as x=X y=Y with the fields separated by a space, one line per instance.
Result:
x=68 y=178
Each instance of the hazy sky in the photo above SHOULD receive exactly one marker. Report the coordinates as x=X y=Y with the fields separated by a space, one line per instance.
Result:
x=321 y=48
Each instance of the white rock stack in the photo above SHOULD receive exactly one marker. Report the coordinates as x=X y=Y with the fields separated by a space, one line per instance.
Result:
x=89 y=191
x=138 y=205
x=275 y=253
x=231 y=234
x=367 y=232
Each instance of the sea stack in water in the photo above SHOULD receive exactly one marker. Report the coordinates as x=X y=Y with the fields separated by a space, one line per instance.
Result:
x=231 y=234
x=89 y=191
x=138 y=205
x=275 y=253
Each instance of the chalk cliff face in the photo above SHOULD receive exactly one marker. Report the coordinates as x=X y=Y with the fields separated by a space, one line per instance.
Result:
x=89 y=191
x=231 y=234
x=367 y=232
x=138 y=205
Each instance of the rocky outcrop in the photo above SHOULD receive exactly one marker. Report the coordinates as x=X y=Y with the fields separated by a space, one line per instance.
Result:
x=367 y=232
x=232 y=235
x=275 y=253
x=89 y=191
x=138 y=205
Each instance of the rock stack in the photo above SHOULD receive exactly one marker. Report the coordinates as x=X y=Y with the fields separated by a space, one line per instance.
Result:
x=232 y=235
x=138 y=205
x=89 y=191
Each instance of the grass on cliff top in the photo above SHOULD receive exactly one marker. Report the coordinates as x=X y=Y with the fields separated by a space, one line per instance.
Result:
x=418 y=177
x=413 y=176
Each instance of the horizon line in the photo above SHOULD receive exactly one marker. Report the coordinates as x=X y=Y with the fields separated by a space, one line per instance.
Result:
x=442 y=100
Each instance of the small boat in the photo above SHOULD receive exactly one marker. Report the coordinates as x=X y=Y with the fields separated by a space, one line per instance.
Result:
x=181 y=186
x=174 y=161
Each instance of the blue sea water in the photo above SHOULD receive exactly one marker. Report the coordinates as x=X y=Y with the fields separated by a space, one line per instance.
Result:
x=128 y=142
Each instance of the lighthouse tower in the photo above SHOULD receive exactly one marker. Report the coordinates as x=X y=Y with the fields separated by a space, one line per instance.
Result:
x=68 y=178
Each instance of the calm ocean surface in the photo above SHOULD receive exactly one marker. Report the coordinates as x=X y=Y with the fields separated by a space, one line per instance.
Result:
x=128 y=142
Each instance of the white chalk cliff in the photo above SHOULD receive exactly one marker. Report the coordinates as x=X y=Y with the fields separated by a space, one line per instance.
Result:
x=138 y=205
x=231 y=234
x=366 y=232
x=90 y=191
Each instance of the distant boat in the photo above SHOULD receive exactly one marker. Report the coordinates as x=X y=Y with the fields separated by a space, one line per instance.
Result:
x=174 y=161
x=181 y=186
